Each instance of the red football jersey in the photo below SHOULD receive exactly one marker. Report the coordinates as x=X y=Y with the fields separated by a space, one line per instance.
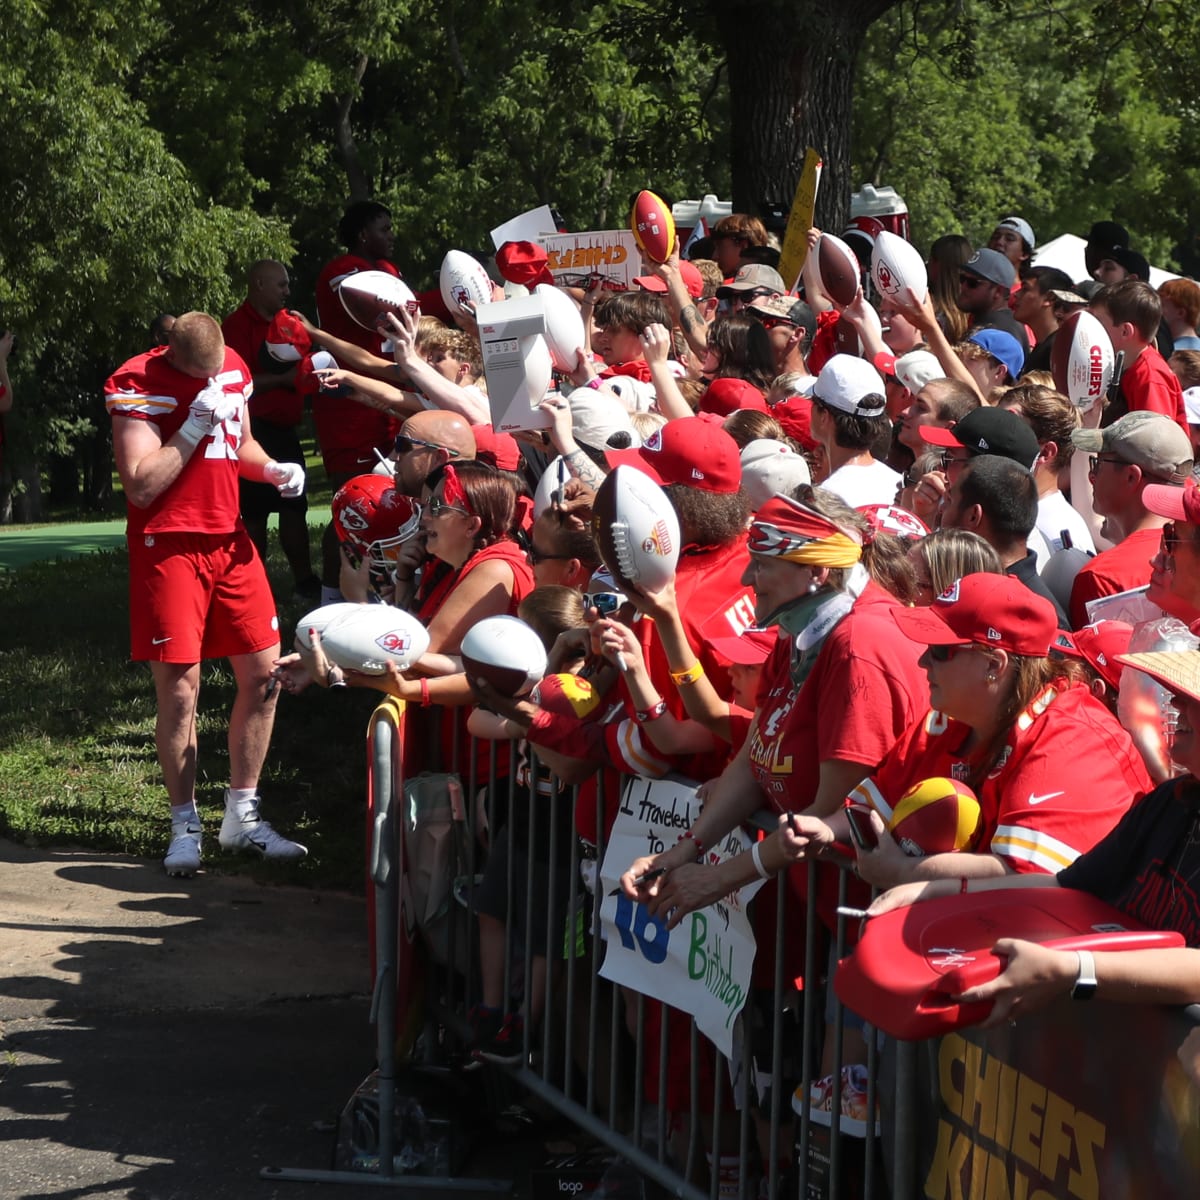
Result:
x=1066 y=776
x=204 y=499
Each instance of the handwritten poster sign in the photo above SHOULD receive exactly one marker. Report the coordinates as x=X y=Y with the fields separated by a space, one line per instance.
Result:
x=610 y=253
x=703 y=965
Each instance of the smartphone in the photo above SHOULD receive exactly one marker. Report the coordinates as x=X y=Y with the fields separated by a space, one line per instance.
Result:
x=861 y=832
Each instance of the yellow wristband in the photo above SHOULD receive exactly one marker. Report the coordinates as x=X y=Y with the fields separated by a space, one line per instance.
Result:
x=689 y=676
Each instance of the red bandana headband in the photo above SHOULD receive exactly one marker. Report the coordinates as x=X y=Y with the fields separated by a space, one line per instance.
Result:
x=453 y=492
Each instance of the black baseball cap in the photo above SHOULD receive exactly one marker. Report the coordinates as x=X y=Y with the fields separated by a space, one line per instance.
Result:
x=989 y=431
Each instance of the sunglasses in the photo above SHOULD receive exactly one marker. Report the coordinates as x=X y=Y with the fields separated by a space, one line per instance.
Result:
x=1094 y=461
x=752 y=294
x=772 y=322
x=436 y=507
x=404 y=444
x=535 y=556
x=947 y=462
x=943 y=654
x=1171 y=540
x=969 y=281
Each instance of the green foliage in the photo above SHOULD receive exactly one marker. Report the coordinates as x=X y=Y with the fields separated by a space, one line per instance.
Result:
x=973 y=111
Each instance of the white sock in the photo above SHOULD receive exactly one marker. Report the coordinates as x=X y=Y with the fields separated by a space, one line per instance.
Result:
x=185 y=814
x=242 y=801
x=331 y=595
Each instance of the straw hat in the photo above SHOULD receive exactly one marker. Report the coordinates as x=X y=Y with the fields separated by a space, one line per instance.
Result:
x=1176 y=670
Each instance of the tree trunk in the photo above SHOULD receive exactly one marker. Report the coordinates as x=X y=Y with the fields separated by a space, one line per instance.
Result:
x=791 y=79
x=343 y=132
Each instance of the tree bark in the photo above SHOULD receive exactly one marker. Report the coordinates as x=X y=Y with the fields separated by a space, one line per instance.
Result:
x=343 y=131
x=791 y=80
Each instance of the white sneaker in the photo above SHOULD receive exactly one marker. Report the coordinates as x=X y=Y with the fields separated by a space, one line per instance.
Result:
x=183 y=854
x=252 y=833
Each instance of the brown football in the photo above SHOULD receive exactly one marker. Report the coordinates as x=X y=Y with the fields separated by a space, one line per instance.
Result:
x=838 y=267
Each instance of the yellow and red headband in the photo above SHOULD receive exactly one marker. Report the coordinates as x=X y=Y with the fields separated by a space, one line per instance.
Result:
x=785 y=528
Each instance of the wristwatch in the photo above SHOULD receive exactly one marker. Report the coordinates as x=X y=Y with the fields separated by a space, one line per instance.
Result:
x=1085 y=981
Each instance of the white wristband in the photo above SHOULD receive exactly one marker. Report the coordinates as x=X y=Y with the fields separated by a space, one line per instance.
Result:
x=191 y=434
x=756 y=855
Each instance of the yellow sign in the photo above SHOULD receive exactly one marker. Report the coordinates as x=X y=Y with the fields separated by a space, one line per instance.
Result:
x=800 y=219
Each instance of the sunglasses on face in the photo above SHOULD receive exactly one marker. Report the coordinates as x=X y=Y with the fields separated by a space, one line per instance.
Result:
x=772 y=322
x=969 y=281
x=437 y=507
x=536 y=556
x=1170 y=539
x=1094 y=461
x=404 y=444
x=943 y=654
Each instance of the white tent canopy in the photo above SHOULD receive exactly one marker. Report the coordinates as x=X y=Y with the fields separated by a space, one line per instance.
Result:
x=1066 y=253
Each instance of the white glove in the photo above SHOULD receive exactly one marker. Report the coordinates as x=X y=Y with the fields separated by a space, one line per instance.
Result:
x=287 y=477
x=212 y=406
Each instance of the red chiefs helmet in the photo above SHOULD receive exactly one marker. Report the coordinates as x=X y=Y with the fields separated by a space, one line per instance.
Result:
x=375 y=519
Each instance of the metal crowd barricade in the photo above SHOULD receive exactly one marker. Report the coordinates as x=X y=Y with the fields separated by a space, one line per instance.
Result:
x=587 y=1059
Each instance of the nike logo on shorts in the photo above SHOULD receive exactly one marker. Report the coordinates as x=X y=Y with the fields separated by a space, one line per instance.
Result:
x=158 y=641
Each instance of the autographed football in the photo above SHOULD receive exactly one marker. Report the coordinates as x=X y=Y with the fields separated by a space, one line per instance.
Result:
x=636 y=529
x=936 y=816
x=564 y=326
x=506 y=652
x=896 y=264
x=838 y=269
x=463 y=281
x=554 y=477
x=374 y=635
x=653 y=226
x=320 y=619
x=367 y=295
x=1081 y=360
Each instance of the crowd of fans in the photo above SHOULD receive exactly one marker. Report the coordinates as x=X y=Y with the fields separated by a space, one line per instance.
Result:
x=905 y=554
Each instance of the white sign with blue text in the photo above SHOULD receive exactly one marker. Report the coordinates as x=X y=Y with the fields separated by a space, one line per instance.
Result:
x=703 y=965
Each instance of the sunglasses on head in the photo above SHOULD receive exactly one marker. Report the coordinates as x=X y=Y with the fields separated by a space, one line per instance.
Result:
x=404 y=444
x=438 y=506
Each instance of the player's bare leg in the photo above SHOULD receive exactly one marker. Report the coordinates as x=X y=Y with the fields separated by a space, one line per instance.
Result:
x=250 y=726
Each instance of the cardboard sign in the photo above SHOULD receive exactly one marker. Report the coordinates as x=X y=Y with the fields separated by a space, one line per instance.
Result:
x=703 y=964
x=800 y=219
x=612 y=254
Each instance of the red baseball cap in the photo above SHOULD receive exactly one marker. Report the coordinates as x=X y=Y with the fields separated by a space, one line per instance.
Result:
x=524 y=263
x=749 y=649
x=692 y=280
x=499 y=450
x=692 y=451
x=984 y=610
x=1177 y=503
x=724 y=396
x=1099 y=644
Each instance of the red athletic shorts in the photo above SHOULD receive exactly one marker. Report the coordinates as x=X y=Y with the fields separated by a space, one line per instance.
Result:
x=198 y=595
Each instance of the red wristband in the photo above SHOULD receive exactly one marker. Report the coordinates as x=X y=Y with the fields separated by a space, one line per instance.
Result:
x=425 y=701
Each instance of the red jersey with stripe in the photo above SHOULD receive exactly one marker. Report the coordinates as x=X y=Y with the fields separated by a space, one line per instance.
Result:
x=204 y=498
x=1066 y=776
x=864 y=690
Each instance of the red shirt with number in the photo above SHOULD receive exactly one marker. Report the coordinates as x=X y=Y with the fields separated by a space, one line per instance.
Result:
x=204 y=498
x=1066 y=776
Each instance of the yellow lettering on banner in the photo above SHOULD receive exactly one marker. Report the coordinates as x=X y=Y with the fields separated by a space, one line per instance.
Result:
x=616 y=255
x=1006 y=1107
x=998 y=1187
x=1031 y=1097
x=980 y=1159
x=1089 y=1137
x=554 y=261
x=944 y=1181
x=1056 y=1135
x=951 y=1052
x=981 y=1086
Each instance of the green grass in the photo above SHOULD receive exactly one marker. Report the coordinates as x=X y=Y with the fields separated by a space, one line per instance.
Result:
x=77 y=759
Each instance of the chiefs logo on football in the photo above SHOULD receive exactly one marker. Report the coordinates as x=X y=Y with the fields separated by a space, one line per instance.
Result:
x=462 y=296
x=885 y=279
x=394 y=642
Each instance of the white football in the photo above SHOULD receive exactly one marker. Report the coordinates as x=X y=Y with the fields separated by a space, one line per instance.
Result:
x=897 y=264
x=564 y=326
x=374 y=635
x=367 y=295
x=636 y=529
x=463 y=281
x=553 y=478
x=1081 y=360
x=506 y=652
x=320 y=619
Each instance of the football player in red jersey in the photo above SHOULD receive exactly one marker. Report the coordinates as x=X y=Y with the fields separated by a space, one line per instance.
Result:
x=181 y=438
